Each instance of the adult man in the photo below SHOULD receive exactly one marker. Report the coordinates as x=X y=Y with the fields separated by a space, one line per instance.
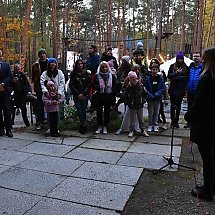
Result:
x=22 y=90
x=5 y=91
x=37 y=69
x=193 y=75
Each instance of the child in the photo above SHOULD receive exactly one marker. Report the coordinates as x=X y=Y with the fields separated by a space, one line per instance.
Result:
x=51 y=101
x=135 y=95
x=155 y=87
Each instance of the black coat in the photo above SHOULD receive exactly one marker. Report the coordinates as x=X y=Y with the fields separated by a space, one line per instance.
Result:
x=201 y=115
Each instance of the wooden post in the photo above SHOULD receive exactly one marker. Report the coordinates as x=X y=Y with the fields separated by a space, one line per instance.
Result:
x=182 y=28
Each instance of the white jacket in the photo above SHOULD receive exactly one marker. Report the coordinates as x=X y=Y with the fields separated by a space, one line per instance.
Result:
x=59 y=81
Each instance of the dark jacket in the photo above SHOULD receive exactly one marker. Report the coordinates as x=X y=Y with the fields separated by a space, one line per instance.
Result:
x=6 y=76
x=135 y=96
x=123 y=71
x=80 y=83
x=93 y=63
x=177 y=80
x=201 y=114
x=156 y=94
x=107 y=58
x=193 y=74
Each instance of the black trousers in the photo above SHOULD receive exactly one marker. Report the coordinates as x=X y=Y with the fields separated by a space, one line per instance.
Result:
x=53 y=122
x=161 y=112
x=207 y=152
x=39 y=109
x=5 y=110
x=175 y=108
x=20 y=102
x=190 y=98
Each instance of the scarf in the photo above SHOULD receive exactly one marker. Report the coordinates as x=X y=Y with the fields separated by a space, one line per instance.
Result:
x=105 y=82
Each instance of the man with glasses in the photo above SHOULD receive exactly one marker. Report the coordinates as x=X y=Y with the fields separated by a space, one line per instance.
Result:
x=193 y=75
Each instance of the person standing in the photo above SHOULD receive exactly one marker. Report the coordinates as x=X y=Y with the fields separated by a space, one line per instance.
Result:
x=80 y=87
x=193 y=75
x=37 y=69
x=177 y=75
x=201 y=117
x=5 y=91
x=22 y=89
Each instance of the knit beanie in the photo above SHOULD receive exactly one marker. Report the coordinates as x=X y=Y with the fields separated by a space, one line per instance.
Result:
x=139 y=44
x=132 y=74
x=50 y=83
x=42 y=51
x=51 y=60
x=180 y=55
x=126 y=58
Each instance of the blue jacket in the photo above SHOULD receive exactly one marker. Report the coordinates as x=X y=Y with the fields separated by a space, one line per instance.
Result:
x=93 y=63
x=6 y=76
x=193 y=78
x=157 y=96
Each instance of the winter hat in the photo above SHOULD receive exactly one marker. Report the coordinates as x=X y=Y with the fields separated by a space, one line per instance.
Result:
x=139 y=44
x=132 y=74
x=180 y=55
x=50 y=83
x=42 y=51
x=51 y=60
x=126 y=58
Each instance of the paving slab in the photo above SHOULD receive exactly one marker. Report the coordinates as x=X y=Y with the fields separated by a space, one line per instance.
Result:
x=95 y=155
x=109 y=173
x=178 y=132
x=162 y=140
x=13 y=144
x=10 y=158
x=29 y=181
x=75 y=133
x=50 y=164
x=113 y=136
x=3 y=168
x=50 y=206
x=14 y=202
x=147 y=161
x=154 y=149
x=47 y=149
x=74 y=141
x=27 y=136
x=94 y=193
x=107 y=145
x=49 y=139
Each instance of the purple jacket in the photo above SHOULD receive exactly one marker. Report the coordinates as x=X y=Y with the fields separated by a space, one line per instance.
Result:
x=51 y=104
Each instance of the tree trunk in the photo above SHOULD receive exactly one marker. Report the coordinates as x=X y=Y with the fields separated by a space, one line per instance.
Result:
x=98 y=22
x=173 y=30
x=210 y=27
x=42 y=24
x=182 y=28
x=200 y=21
x=54 y=29
x=123 y=26
x=148 y=28
x=119 y=32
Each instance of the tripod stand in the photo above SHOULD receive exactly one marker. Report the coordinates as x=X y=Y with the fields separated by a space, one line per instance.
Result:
x=170 y=161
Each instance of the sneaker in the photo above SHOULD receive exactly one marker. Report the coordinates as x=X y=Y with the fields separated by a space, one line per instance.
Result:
x=104 y=130
x=39 y=127
x=165 y=126
x=119 y=131
x=131 y=134
x=48 y=131
x=99 y=130
x=187 y=125
x=156 y=128
x=145 y=134
x=150 y=129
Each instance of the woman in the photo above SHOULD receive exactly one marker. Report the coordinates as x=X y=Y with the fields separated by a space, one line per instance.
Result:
x=79 y=85
x=201 y=116
x=177 y=75
x=105 y=87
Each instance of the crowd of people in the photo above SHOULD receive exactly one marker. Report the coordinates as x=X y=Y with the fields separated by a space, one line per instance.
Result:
x=106 y=85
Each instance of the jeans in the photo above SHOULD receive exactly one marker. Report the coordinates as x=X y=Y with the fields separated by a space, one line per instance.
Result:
x=153 y=110
x=81 y=106
x=139 y=114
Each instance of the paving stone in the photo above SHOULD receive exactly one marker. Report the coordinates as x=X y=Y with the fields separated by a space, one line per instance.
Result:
x=113 y=136
x=178 y=132
x=109 y=173
x=50 y=206
x=154 y=149
x=146 y=161
x=3 y=168
x=95 y=193
x=47 y=149
x=13 y=144
x=29 y=181
x=159 y=140
x=106 y=145
x=74 y=141
x=75 y=133
x=50 y=164
x=10 y=158
x=27 y=136
x=49 y=139
x=94 y=155
x=14 y=202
